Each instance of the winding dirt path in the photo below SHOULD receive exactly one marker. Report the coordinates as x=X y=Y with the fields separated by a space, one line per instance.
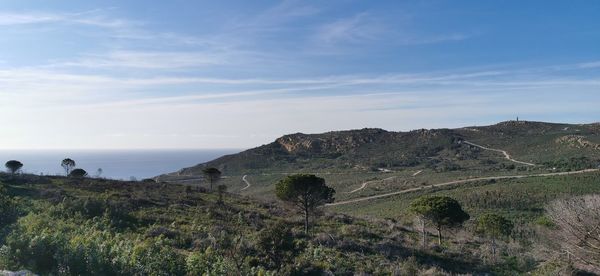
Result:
x=245 y=181
x=364 y=185
x=506 y=155
x=456 y=182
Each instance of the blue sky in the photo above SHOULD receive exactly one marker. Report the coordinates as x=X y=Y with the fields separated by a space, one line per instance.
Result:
x=236 y=74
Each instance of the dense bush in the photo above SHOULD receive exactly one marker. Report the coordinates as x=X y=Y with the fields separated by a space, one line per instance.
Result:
x=50 y=245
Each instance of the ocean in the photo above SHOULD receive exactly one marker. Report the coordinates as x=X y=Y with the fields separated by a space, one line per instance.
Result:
x=114 y=164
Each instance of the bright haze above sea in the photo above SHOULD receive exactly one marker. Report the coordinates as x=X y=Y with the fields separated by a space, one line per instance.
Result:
x=115 y=164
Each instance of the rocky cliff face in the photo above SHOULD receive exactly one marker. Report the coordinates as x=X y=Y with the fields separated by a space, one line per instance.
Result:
x=577 y=141
x=331 y=142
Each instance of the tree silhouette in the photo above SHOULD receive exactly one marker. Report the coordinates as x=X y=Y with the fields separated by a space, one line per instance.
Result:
x=68 y=164
x=13 y=166
x=306 y=192
x=213 y=175
x=442 y=211
x=78 y=173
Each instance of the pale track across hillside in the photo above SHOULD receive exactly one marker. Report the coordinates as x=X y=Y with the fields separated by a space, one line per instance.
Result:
x=245 y=181
x=364 y=185
x=456 y=182
x=506 y=155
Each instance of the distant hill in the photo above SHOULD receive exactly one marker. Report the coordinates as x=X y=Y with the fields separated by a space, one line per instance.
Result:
x=440 y=149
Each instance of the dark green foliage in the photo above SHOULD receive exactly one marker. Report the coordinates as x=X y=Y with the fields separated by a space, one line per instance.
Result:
x=276 y=243
x=209 y=262
x=221 y=189
x=13 y=166
x=48 y=245
x=494 y=226
x=78 y=173
x=8 y=209
x=306 y=192
x=442 y=211
x=68 y=164
x=213 y=175
x=573 y=163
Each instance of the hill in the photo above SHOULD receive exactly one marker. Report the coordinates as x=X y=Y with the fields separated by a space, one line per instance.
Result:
x=393 y=160
x=88 y=226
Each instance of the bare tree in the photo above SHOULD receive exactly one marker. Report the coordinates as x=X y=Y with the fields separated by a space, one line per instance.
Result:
x=578 y=226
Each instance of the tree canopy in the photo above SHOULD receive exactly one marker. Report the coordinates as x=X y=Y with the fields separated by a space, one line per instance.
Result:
x=78 y=173
x=442 y=211
x=305 y=191
x=68 y=164
x=494 y=226
x=213 y=175
x=13 y=166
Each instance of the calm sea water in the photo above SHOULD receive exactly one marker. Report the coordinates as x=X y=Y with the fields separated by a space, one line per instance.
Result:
x=115 y=164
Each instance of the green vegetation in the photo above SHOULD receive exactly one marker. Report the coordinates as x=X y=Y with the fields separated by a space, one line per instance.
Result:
x=494 y=227
x=67 y=226
x=57 y=225
x=499 y=216
x=439 y=150
x=78 y=173
x=305 y=192
x=441 y=211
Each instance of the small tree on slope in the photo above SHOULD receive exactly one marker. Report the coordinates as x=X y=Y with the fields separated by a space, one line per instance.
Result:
x=306 y=192
x=68 y=164
x=13 y=166
x=441 y=211
x=494 y=227
x=213 y=175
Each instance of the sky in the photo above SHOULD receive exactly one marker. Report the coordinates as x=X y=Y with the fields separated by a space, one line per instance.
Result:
x=237 y=74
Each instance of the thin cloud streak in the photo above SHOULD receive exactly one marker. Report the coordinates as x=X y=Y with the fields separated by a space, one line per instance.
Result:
x=83 y=18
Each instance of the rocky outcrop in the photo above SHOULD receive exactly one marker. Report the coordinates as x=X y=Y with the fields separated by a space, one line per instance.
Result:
x=577 y=141
x=331 y=142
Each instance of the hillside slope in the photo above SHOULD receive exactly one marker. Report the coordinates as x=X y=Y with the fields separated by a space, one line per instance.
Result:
x=367 y=150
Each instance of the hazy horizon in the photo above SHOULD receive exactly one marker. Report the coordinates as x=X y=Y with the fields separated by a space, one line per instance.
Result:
x=207 y=75
x=232 y=149
x=115 y=164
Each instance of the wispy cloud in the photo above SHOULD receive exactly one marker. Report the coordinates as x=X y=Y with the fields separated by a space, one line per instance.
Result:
x=358 y=28
x=338 y=37
x=586 y=65
x=147 y=60
x=92 y=18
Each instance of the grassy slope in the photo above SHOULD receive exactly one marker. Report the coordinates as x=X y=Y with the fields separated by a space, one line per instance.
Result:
x=379 y=242
x=155 y=227
x=521 y=198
